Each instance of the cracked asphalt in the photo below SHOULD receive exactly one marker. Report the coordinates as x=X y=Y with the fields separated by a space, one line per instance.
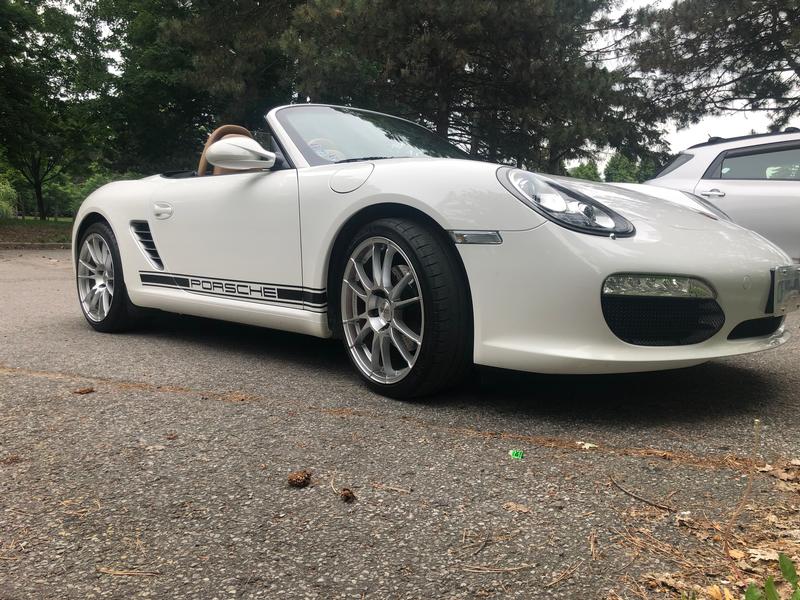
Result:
x=169 y=479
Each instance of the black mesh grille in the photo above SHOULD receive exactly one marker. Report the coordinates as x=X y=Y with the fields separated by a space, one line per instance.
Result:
x=141 y=229
x=647 y=321
x=756 y=328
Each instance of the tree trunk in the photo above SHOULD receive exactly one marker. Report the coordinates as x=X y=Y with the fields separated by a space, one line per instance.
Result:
x=37 y=188
x=443 y=115
x=475 y=140
x=554 y=160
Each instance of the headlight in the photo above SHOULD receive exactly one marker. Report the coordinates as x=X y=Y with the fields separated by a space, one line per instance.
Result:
x=564 y=206
x=710 y=206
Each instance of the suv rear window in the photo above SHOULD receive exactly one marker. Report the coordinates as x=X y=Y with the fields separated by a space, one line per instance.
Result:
x=676 y=162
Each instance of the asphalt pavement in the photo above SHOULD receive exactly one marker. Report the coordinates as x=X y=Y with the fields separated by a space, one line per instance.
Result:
x=166 y=477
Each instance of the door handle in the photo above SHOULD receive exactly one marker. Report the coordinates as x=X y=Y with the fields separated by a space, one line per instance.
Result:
x=714 y=193
x=162 y=210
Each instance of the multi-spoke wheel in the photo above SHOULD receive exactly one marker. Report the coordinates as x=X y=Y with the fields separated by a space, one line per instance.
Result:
x=382 y=310
x=101 y=286
x=95 y=277
x=404 y=308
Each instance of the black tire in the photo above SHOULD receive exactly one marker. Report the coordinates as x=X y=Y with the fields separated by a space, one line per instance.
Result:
x=122 y=314
x=445 y=354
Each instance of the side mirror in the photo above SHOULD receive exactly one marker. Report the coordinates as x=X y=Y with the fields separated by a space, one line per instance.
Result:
x=239 y=153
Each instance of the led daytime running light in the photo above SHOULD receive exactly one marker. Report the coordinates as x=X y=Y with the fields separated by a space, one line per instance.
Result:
x=666 y=286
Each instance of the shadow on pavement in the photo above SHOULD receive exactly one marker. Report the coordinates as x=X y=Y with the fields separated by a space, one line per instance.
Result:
x=681 y=395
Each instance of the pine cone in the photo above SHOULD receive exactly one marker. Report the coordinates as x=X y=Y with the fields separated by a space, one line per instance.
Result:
x=300 y=479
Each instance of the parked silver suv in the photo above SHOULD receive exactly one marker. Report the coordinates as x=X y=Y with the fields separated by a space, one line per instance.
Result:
x=755 y=179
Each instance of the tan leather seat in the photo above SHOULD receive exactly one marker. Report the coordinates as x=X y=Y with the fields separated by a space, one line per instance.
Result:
x=220 y=133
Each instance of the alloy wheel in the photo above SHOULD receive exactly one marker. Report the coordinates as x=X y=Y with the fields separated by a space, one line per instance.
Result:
x=95 y=277
x=382 y=310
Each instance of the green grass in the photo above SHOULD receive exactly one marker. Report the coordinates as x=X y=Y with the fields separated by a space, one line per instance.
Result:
x=34 y=231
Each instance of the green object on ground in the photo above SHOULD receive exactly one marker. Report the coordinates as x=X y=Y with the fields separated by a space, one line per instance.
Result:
x=518 y=454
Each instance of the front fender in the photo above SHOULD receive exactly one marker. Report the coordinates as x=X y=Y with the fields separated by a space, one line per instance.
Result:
x=456 y=194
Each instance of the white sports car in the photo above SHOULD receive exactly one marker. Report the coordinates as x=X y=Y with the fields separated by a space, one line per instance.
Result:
x=368 y=227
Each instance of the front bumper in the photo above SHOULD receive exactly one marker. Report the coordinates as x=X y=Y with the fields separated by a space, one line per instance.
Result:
x=537 y=296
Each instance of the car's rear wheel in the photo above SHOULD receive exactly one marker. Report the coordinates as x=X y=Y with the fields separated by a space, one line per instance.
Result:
x=404 y=309
x=102 y=294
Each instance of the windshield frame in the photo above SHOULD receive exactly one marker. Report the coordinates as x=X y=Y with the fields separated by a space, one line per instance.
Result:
x=304 y=155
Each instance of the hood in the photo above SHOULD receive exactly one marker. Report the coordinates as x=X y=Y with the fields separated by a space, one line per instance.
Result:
x=661 y=220
x=641 y=208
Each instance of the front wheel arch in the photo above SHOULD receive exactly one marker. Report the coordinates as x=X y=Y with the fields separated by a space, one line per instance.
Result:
x=373 y=213
x=88 y=220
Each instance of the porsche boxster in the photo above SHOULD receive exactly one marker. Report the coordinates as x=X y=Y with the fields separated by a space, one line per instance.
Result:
x=424 y=261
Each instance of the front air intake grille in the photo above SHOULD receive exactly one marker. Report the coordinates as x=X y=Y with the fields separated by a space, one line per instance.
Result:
x=141 y=231
x=755 y=328
x=657 y=321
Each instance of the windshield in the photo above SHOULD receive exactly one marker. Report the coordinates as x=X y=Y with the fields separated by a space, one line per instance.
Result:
x=329 y=134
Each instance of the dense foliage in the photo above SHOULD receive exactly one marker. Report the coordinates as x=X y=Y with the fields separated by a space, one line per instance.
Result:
x=710 y=56
x=93 y=90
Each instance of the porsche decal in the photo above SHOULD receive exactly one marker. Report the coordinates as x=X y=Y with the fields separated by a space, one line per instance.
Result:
x=250 y=291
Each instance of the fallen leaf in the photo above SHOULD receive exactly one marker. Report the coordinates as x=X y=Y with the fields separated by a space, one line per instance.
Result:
x=516 y=507
x=84 y=391
x=786 y=475
x=347 y=495
x=300 y=479
x=765 y=469
x=786 y=486
x=716 y=593
x=795 y=462
x=762 y=554
x=665 y=580
x=736 y=554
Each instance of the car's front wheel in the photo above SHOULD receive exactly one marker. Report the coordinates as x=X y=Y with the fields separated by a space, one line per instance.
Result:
x=101 y=285
x=404 y=309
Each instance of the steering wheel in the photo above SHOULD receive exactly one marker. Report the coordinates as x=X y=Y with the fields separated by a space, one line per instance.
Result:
x=325 y=148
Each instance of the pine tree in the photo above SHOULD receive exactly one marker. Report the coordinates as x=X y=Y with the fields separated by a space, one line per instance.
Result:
x=711 y=56
x=586 y=170
x=621 y=169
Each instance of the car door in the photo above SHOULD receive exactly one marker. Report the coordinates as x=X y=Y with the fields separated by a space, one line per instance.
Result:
x=759 y=187
x=233 y=236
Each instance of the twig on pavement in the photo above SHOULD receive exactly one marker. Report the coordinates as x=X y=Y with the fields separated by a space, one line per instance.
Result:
x=640 y=498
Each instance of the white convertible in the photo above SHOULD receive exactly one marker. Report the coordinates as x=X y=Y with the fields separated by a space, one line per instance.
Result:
x=368 y=227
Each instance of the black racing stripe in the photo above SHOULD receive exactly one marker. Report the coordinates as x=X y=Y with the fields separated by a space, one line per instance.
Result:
x=276 y=301
x=295 y=295
x=302 y=295
x=314 y=299
x=293 y=287
x=273 y=302
x=159 y=279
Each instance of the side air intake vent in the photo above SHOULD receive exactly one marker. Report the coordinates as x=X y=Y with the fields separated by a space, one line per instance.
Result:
x=141 y=231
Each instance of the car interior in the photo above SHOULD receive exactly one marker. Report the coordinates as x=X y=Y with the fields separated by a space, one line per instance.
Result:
x=265 y=138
